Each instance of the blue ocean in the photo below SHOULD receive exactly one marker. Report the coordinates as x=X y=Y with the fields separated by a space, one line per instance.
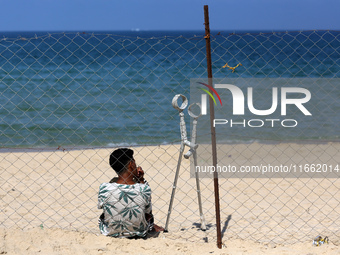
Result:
x=104 y=89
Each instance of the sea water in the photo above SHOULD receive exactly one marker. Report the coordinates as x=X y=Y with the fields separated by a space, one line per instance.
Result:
x=115 y=88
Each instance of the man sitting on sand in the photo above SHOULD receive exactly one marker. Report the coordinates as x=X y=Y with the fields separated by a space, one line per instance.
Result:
x=126 y=200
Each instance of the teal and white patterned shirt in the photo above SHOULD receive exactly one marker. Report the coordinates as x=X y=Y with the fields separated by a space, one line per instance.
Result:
x=124 y=207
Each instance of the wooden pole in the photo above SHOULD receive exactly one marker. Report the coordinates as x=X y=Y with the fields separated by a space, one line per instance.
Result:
x=212 y=128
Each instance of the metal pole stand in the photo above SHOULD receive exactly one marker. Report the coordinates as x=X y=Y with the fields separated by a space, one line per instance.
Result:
x=193 y=147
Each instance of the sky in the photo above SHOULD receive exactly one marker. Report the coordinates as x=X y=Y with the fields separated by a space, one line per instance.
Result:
x=113 y=15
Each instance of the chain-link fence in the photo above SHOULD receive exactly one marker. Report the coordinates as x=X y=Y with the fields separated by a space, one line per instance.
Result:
x=68 y=100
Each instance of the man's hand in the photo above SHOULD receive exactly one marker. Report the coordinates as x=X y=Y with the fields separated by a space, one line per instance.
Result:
x=140 y=175
x=149 y=218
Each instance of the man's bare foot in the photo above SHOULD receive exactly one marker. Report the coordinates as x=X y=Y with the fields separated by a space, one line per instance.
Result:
x=158 y=228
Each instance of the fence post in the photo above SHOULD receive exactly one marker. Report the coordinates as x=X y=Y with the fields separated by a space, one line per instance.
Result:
x=212 y=128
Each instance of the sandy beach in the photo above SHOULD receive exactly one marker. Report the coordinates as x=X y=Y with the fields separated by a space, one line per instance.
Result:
x=49 y=202
x=57 y=241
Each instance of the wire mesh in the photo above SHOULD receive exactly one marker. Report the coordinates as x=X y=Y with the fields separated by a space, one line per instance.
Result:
x=69 y=99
